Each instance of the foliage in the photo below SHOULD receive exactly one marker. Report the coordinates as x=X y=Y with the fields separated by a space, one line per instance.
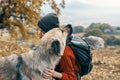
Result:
x=78 y=29
x=16 y=14
x=100 y=26
x=112 y=41
x=117 y=42
x=94 y=32
x=118 y=28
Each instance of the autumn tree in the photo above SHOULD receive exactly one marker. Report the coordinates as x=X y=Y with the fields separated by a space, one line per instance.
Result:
x=15 y=15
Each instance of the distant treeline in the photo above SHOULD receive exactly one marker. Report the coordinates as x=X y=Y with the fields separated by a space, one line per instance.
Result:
x=103 y=30
x=104 y=27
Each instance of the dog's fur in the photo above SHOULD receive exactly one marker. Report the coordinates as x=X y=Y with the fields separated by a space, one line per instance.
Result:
x=30 y=65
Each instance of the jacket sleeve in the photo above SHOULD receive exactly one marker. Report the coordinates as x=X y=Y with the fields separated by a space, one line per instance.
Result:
x=67 y=64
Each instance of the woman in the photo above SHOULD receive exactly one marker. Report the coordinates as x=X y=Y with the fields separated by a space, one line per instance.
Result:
x=67 y=66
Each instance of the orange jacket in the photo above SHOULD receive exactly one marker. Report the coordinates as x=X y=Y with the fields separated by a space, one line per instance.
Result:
x=68 y=65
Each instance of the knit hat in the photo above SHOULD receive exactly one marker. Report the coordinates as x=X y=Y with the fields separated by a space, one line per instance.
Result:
x=48 y=22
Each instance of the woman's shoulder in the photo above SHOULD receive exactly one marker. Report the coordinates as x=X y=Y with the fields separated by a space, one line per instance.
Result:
x=68 y=51
x=68 y=48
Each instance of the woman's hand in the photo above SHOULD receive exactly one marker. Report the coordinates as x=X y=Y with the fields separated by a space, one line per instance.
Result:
x=49 y=73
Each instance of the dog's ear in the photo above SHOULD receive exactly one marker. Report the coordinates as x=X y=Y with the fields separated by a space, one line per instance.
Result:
x=55 y=47
x=70 y=29
x=69 y=37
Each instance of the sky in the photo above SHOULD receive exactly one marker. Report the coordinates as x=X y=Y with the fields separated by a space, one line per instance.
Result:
x=85 y=12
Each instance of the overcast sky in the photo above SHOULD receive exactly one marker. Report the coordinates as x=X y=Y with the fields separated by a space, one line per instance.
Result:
x=85 y=12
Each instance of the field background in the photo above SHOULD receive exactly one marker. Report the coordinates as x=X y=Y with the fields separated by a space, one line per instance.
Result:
x=106 y=65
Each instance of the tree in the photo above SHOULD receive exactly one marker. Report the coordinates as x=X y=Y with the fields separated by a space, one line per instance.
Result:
x=16 y=14
x=78 y=29
x=94 y=32
x=103 y=27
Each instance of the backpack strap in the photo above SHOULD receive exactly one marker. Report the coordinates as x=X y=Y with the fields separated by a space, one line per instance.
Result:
x=77 y=74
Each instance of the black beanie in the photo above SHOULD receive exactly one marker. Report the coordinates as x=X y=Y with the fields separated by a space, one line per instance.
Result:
x=48 y=22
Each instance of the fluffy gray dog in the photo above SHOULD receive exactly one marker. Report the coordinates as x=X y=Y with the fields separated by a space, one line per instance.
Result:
x=30 y=65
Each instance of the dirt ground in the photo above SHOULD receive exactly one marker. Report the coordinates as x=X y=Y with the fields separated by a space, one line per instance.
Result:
x=106 y=62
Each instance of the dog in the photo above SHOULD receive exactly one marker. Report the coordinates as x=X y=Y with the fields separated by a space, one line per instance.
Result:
x=30 y=65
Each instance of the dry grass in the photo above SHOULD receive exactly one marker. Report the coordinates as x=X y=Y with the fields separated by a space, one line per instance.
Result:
x=106 y=65
x=8 y=48
x=106 y=62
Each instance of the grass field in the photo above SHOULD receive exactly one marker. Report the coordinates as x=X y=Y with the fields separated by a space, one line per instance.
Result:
x=116 y=36
x=106 y=65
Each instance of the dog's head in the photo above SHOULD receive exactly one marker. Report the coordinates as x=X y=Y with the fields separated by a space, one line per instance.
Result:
x=54 y=41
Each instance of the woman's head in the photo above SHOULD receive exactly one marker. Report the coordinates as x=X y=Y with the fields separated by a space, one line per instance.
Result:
x=48 y=22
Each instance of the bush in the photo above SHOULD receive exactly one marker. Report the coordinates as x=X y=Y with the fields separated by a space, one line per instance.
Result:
x=105 y=28
x=117 y=42
x=94 y=32
x=78 y=29
x=112 y=41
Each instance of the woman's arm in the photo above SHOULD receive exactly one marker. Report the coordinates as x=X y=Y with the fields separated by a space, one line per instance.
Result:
x=67 y=63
